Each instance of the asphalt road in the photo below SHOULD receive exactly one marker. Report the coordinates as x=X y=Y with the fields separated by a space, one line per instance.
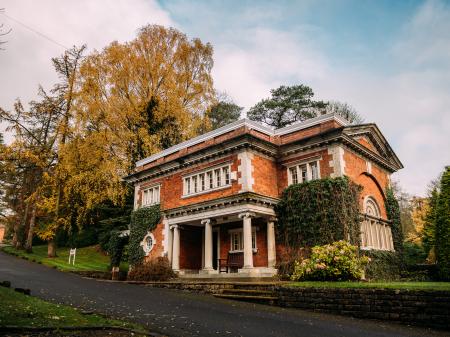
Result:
x=178 y=313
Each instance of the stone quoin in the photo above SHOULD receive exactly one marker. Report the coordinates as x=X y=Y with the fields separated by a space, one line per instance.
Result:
x=217 y=192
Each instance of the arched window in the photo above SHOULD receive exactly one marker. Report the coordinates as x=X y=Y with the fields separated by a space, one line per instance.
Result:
x=371 y=207
x=148 y=243
x=375 y=233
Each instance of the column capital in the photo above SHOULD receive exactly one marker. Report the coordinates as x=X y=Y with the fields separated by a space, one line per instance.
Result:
x=272 y=219
x=207 y=221
x=246 y=215
x=174 y=227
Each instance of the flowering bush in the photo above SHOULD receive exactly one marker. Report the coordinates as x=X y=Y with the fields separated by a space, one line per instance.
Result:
x=336 y=262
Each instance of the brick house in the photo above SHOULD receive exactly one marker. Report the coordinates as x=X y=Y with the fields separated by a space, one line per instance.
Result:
x=217 y=191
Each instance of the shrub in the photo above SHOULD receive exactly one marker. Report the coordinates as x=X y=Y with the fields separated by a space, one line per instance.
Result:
x=413 y=253
x=338 y=261
x=286 y=259
x=116 y=245
x=383 y=265
x=157 y=269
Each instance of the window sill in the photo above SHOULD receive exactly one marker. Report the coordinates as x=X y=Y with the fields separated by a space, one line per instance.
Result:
x=377 y=249
x=206 y=191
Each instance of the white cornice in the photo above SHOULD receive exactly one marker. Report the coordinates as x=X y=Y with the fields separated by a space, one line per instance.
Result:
x=238 y=124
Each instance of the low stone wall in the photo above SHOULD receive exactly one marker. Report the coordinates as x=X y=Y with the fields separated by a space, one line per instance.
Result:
x=427 y=308
x=206 y=286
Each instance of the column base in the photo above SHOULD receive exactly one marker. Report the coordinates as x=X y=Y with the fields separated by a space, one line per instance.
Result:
x=208 y=271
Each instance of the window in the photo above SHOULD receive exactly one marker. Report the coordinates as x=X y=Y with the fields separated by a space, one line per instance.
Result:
x=237 y=240
x=375 y=233
x=148 y=243
x=303 y=172
x=150 y=196
x=218 y=177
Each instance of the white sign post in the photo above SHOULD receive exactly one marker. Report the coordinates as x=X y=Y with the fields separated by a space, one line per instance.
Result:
x=72 y=254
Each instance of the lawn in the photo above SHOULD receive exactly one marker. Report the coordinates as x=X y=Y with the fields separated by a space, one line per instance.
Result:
x=26 y=311
x=387 y=285
x=88 y=258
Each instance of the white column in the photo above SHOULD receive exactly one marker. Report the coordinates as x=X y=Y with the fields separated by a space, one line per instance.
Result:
x=271 y=248
x=247 y=237
x=169 y=243
x=176 y=248
x=208 y=245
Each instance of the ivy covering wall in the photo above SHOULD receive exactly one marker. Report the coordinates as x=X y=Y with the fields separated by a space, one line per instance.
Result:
x=143 y=220
x=319 y=212
x=116 y=244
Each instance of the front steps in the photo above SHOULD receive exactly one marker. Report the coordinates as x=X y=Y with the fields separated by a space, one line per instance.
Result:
x=247 y=294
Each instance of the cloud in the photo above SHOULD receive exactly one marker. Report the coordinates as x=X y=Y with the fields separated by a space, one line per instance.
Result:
x=408 y=97
x=26 y=62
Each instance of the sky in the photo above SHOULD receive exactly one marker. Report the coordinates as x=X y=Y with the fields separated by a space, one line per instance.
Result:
x=390 y=60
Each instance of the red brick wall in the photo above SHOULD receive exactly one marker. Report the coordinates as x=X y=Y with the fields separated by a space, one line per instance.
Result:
x=265 y=176
x=191 y=238
x=356 y=169
x=366 y=143
x=157 y=250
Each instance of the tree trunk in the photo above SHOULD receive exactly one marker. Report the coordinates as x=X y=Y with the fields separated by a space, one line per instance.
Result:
x=29 y=242
x=51 y=248
x=20 y=226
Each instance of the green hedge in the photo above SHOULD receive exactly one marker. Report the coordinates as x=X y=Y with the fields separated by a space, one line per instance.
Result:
x=143 y=220
x=393 y=214
x=319 y=212
x=384 y=265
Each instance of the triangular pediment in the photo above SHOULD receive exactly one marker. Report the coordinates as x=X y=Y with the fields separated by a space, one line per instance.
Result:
x=370 y=137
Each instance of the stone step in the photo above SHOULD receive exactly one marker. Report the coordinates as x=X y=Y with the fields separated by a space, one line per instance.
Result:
x=247 y=291
x=247 y=297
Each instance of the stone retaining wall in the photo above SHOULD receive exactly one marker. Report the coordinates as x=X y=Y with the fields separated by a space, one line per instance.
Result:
x=427 y=308
x=419 y=307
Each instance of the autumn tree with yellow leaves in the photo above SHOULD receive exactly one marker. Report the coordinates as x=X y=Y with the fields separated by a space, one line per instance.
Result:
x=108 y=110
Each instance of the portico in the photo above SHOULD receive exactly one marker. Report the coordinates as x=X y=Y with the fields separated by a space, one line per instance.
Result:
x=247 y=229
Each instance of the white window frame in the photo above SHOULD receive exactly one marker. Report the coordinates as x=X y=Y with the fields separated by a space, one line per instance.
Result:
x=144 y=246
x=151 y=195
x=297 y=169
x=240 y=235
x=219 y=175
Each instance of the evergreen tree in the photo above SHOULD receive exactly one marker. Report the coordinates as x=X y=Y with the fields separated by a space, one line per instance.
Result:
x=393 y=214
x=288 y=104
x=442 y=227
x=223 y=112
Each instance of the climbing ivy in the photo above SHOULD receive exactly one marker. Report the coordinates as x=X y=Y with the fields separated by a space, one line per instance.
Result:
x=319 y=212
x=143 y=220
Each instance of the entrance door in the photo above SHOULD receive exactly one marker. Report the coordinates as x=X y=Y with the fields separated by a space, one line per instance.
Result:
x=215 y=248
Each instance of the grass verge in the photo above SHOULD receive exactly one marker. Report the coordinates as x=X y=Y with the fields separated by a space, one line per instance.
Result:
x=87 y=258
x=445 y=286
x=26 y=311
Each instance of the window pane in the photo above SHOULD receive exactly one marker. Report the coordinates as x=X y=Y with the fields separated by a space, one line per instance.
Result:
x=202 y=182
x=188 y=185
x=314 y=171
x=253 y=239
x=303 y=173
x=293 y=173
x=209 y=174
x=226 y=174
x=194 y=184
x=218 y=177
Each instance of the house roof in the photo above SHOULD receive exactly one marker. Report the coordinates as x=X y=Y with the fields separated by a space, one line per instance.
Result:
x=244 y=123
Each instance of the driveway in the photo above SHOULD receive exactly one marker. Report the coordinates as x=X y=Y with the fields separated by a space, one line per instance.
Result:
x=178 y=313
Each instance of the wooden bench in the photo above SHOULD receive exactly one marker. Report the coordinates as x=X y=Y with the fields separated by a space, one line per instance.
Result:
x=233 y=261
